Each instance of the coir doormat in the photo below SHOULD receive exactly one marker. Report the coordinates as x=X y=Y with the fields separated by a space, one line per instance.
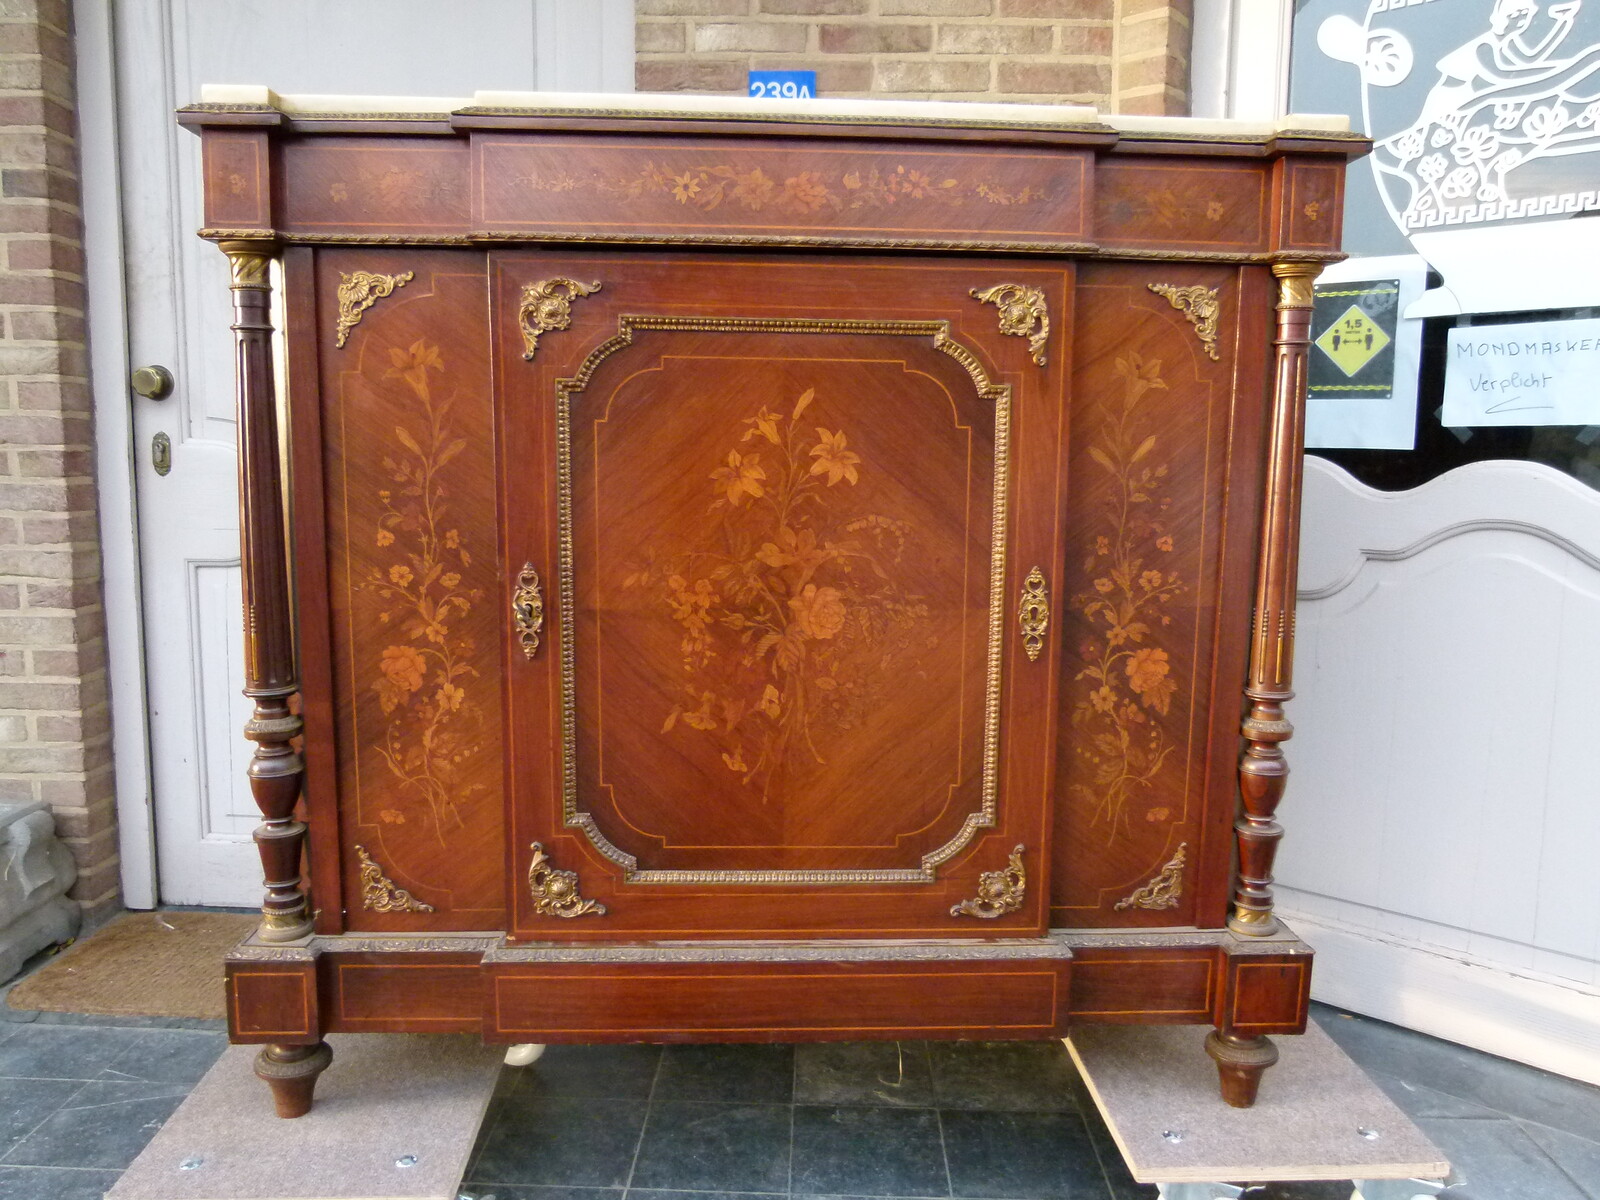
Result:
x=144 y=964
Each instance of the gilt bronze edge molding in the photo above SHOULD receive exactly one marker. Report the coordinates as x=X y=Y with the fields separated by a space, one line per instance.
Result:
x=1088 y=251
x=494 y=947
x=997 y=393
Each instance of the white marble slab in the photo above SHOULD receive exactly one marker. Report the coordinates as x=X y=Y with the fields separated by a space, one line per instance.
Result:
x=690 y=104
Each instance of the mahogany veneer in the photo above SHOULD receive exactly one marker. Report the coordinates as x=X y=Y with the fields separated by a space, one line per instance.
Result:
x=757 y=578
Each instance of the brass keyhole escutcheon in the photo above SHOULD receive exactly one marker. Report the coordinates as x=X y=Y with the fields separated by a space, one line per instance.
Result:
x=1033 y=613
x=527 y=610
x=152 y=382
x=161 y=453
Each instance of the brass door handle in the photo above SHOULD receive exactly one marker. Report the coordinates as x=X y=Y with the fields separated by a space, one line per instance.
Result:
x=1033 y=613
x=152 y=382
x=527 y=610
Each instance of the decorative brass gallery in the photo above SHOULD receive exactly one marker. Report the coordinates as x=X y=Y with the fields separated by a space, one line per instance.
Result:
x=379 y=894
x=999 y=892
x=359 y=291
x=432 y=725
x=1033 y=614
x=555 y=892
x=1130 y=678
x=1200 y=305
x=1022 y=314
x=527 y=610
x=547 y=305
x=793 y=622
x=1164 y=891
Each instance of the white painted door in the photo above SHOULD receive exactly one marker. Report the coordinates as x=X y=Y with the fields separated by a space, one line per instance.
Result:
x=177 y=315
x=1443 y=815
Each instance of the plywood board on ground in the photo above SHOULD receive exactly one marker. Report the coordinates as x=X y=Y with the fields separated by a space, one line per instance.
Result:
x=1318 y=1115
x=386 y=1098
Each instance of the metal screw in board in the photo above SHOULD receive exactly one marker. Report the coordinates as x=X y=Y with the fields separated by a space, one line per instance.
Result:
x=406 y=1160
x=191 y=1163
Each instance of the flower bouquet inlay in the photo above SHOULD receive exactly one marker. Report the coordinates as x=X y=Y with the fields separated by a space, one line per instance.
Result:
x=793 y=622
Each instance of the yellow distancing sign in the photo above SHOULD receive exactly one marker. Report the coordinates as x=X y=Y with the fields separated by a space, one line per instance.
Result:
x=1353 y=340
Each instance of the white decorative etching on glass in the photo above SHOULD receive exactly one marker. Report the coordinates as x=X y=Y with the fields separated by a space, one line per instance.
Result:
x=1505 y=125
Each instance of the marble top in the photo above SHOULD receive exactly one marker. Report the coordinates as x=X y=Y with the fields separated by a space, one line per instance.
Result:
x=705 y=107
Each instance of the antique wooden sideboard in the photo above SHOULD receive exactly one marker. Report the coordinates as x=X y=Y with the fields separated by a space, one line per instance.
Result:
x=761 y=572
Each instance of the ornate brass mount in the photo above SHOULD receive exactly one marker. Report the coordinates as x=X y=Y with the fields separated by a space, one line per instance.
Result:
x=1200 y=305
x=547 y=305
x=999 y=892
x=359 y=291
x=1165 y=890
x=1022 y=309
x=378 y=892
x=527 y=610
x=555 y=892
x=1033 y=613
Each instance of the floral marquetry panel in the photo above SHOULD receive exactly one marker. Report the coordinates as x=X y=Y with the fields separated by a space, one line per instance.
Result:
x=788 y=655
x=1149 y=680
x=714 y=187
x=414 y=594
x=818 y=571
x=375 y=187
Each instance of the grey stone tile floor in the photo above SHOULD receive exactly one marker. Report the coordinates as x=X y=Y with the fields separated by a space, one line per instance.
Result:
x=974 y=1121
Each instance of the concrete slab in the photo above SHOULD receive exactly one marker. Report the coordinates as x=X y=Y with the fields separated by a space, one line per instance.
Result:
x=387 y=1099
x=1318 y=1115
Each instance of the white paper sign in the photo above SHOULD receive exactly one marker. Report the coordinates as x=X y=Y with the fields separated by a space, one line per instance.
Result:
x=1382 y=420
x=1539 y=373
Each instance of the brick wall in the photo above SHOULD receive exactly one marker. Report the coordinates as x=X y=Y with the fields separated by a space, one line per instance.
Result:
x=1119 y=55
x=55 y=724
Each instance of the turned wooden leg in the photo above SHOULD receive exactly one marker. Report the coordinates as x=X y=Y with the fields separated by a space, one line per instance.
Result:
x=291 y=1072
x=1241 y=1062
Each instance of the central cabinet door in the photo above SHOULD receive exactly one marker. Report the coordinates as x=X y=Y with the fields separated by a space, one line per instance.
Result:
x=779 y=661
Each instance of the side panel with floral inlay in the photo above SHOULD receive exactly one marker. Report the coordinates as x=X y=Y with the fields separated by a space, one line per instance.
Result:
x=368 y=187
x=1143 y=780
x=1148 y=203
x=415 y=594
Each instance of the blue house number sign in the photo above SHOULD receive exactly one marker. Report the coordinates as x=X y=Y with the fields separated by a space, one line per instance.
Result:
x=783 y=85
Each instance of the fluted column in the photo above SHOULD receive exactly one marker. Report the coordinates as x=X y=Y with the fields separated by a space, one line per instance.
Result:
x=1263 y=770
x=276 y=770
